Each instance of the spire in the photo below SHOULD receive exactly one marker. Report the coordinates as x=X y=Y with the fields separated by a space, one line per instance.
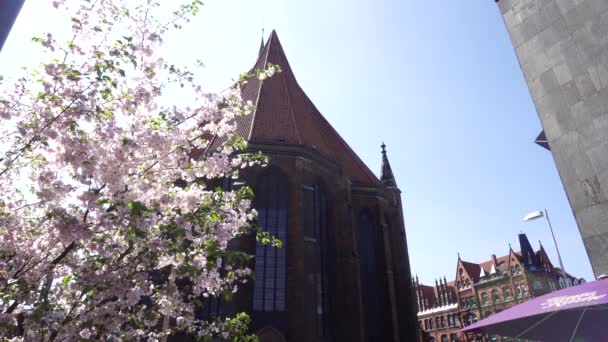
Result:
x=284 y=115
x=262 y=43
x=387 y=176
x=527 y=252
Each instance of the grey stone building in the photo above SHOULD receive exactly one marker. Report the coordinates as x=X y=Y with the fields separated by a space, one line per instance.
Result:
x=9 y=9
x=562 y=47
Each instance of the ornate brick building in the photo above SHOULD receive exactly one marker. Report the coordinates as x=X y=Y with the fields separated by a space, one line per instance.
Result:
x=343 y=272
x=482 y=289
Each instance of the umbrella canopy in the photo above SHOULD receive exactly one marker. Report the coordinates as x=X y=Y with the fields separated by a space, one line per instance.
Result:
x=578 y=313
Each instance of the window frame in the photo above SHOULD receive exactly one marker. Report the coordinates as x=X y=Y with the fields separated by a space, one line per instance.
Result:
x=272 y=204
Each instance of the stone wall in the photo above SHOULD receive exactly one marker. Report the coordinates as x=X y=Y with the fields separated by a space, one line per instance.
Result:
x=562 y=47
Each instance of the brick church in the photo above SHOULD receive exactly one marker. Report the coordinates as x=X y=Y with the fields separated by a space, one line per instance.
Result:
x=343 y=272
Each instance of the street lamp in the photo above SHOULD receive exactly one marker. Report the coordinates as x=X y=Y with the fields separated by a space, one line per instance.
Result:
x=538 y=214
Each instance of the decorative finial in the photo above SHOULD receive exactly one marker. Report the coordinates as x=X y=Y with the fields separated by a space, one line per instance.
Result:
x=510 y=248
x=386 y=172
x=262 y=43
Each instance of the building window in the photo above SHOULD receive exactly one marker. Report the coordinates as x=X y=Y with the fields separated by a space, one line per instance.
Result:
x=495 y=296
x=507 y=292
x=467 y=283
x=438 y=323
x=517 y=269
x=521 y=290
x=450 y=321
x=271 y=202
x=453 y=338
x=430 y=323
x=371 y=257
x=484 y=299
x=444 y=338
x=316 y=214
x=458 y=285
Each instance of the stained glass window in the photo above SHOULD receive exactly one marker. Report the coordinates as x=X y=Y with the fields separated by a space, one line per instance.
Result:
x=271 y=202
x=371 y=250
x=316 y=232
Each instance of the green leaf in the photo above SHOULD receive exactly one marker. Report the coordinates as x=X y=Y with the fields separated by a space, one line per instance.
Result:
x=66 y=280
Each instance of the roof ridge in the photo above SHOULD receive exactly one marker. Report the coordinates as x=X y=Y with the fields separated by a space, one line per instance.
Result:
x=344 y=143
x=293 y=117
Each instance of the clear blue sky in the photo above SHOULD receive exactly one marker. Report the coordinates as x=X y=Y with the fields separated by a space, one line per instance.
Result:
x=438 y=81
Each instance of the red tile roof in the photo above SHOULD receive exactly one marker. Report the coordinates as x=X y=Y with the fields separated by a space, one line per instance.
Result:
x=502 y=264
x=472 y=269
x=475 y=269
x=285 y=115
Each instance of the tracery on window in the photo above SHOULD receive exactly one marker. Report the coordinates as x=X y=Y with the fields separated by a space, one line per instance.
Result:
x=316 y=231
x=271 y=202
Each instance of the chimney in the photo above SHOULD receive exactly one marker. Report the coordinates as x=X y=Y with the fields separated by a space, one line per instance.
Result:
x=494 y=260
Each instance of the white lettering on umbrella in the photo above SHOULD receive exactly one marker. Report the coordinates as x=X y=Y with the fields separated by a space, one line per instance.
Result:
x=558 y=302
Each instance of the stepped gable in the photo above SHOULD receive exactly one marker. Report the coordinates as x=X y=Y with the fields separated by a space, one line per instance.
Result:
x=285 y=115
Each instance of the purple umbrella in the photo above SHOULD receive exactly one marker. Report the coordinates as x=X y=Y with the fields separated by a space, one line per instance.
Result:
x=578 y=313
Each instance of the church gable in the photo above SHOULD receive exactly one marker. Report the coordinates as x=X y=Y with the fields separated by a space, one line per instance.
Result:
x=285 y=115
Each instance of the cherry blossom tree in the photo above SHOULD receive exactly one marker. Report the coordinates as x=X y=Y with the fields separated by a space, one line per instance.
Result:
x=109 y=224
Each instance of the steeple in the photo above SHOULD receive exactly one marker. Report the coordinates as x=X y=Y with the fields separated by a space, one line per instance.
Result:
x=285 y=116
x=527 y=253
x=262 y=43
x=387 y=176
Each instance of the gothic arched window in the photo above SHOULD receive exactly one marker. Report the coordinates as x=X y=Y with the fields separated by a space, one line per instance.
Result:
x=371 y=249
x=319 y=239
x=271 y=202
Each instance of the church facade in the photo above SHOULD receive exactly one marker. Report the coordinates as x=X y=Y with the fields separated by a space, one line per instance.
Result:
x=343 y=271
